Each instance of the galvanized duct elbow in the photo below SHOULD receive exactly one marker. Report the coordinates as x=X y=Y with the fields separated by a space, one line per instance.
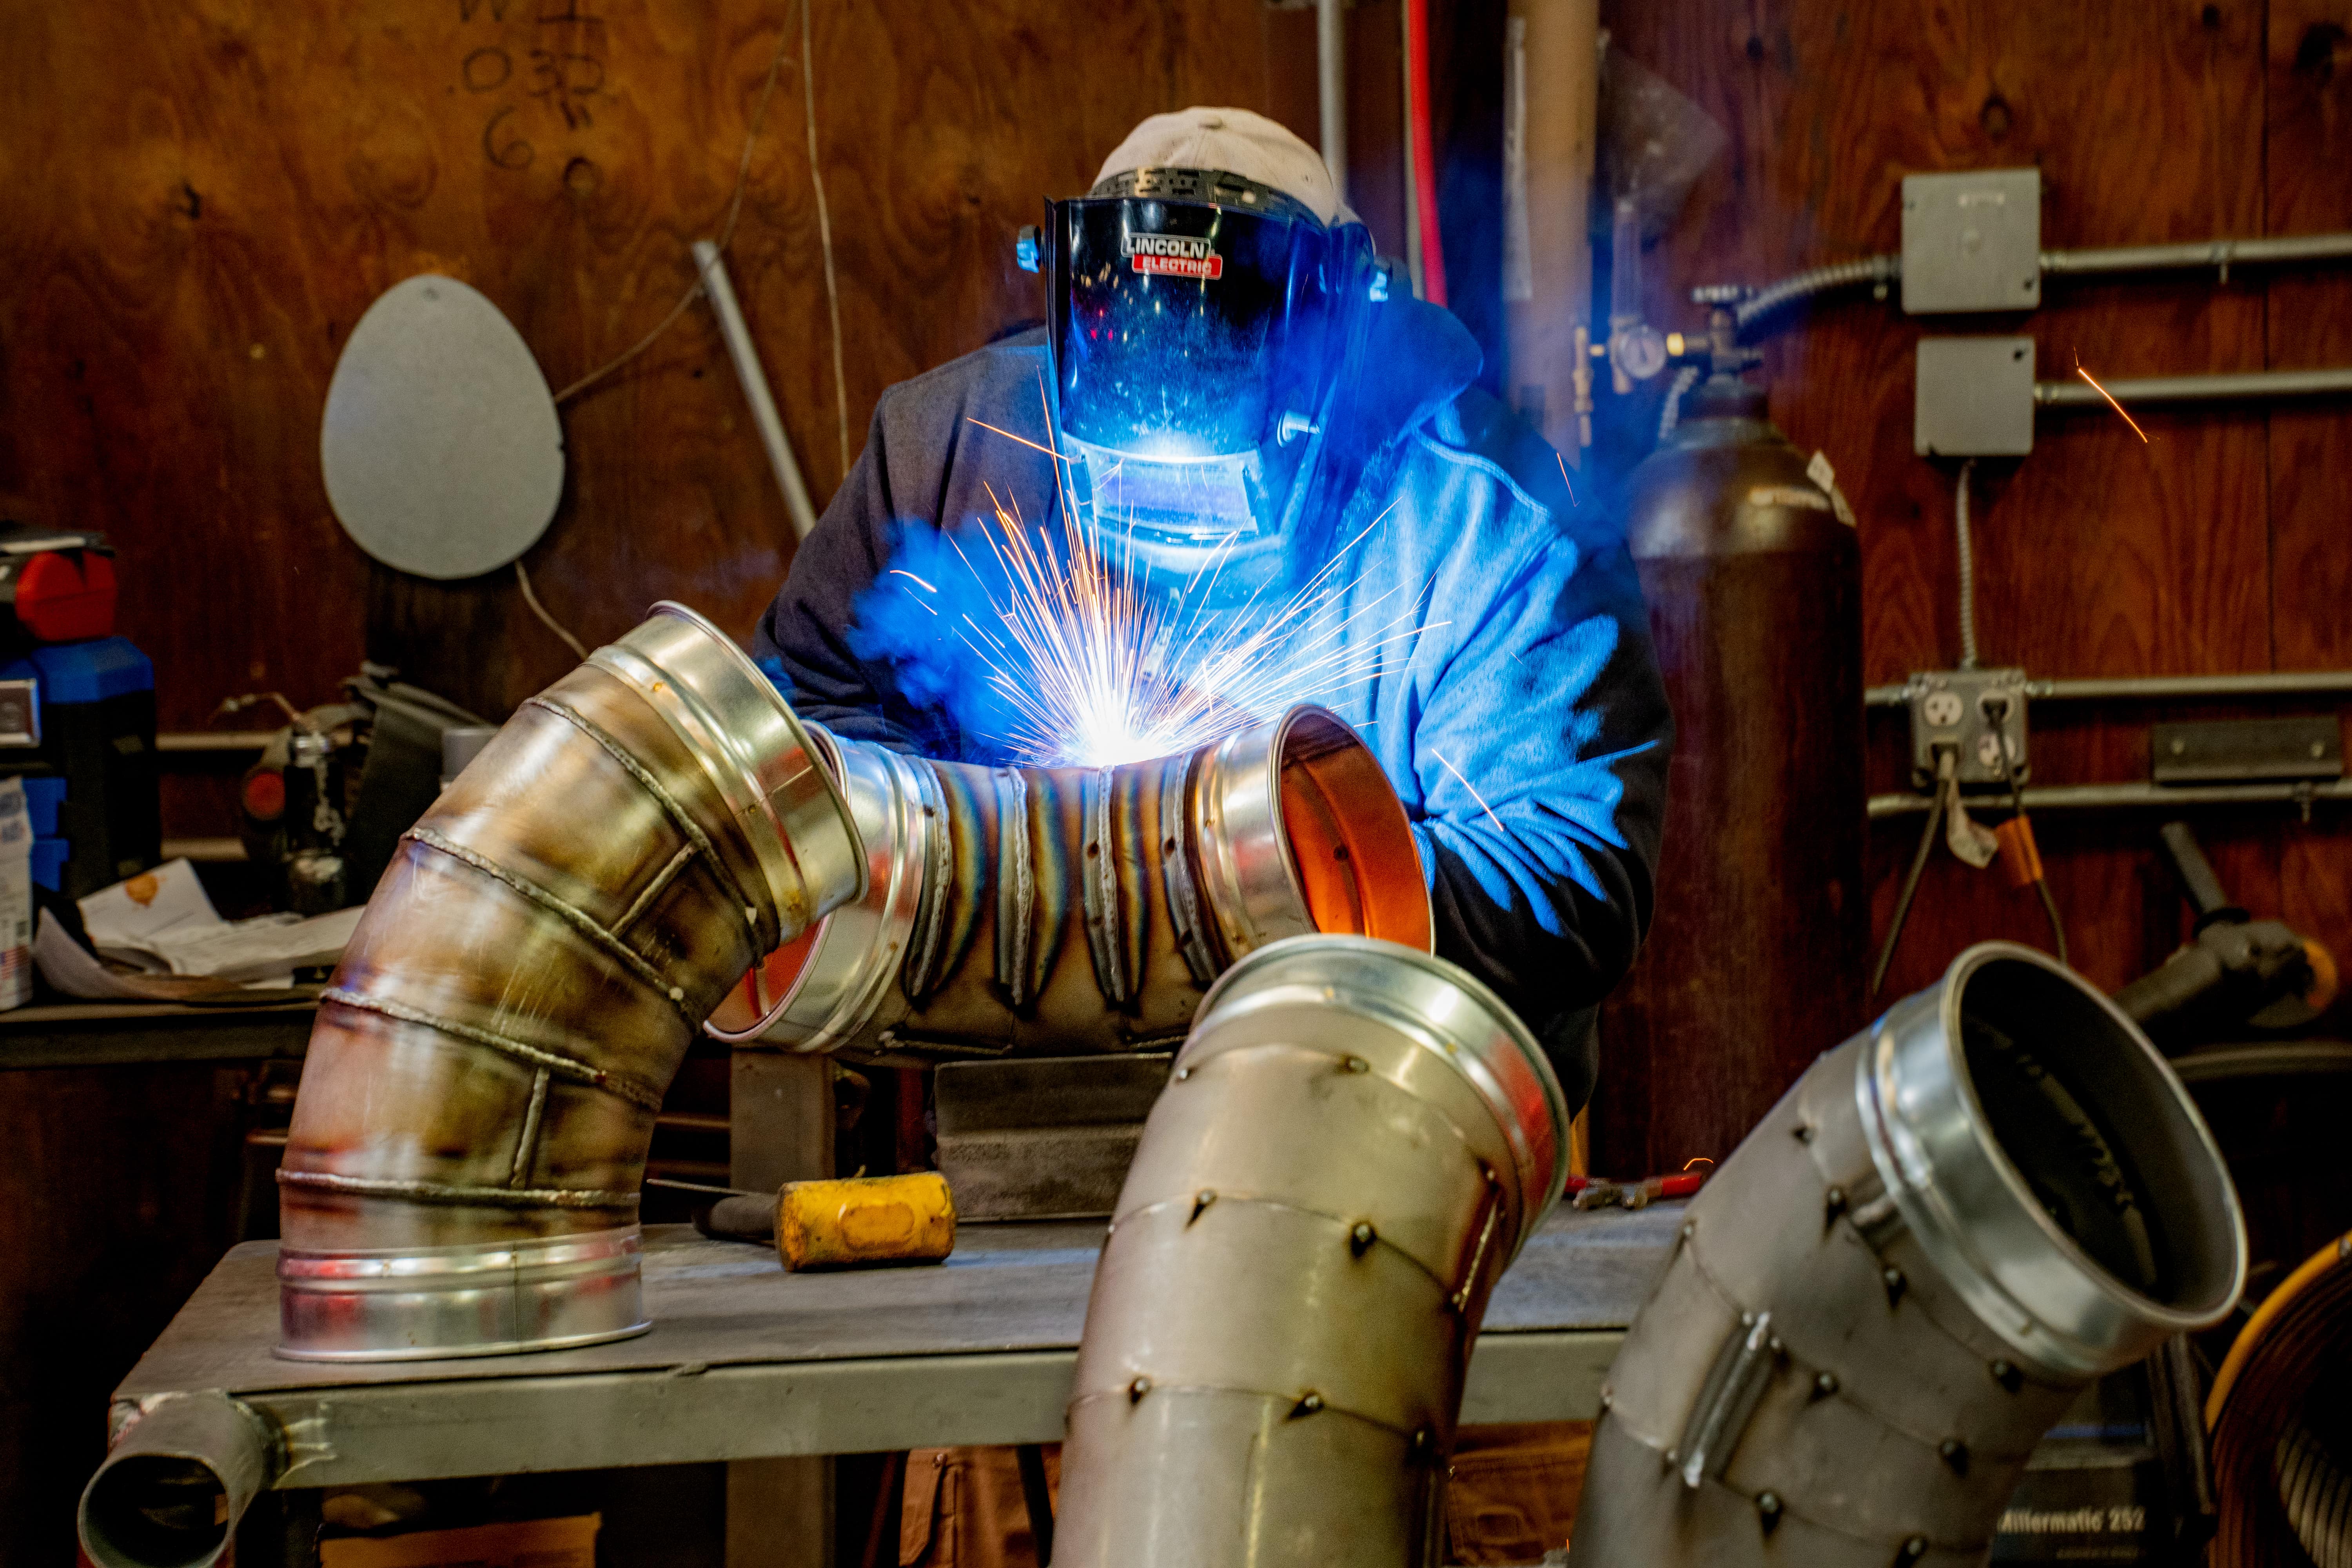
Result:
x=1356 y=1139
x=462 y=1173
x=1901 y=1278
x=1098 y=920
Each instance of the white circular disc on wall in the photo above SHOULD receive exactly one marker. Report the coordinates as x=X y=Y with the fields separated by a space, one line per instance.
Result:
x=440 y=443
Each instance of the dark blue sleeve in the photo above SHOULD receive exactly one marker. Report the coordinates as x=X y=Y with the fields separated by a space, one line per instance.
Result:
x=801 y=641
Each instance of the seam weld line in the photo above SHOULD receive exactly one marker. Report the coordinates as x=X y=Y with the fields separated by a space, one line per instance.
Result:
x=443 y=1193
x=550 y=1061
x=1269 y=1395
x=1186 y=1200
x=1723 y=1294
x=579 y=920
x=662 y=880
x=527 y=1142
x=686 y=824
x=1102 y=879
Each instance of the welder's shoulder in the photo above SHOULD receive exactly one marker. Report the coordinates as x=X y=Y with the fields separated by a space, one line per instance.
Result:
x=1476 y=431
x=1002 y=381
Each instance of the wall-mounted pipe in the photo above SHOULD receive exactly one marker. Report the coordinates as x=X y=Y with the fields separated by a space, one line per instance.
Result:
x=2119 y=796
x=1878 y=1305
x=2238 y=386
x=1355 y=1140
x=1100 y=917
x=1551 y=70
x=753 y=379
x=1332 y=87
x=179 y=1476
x=2160 y=688
x=461 y=1176
x=2217 y=253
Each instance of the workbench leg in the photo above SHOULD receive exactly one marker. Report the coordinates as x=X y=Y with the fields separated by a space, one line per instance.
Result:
x=780 y=1512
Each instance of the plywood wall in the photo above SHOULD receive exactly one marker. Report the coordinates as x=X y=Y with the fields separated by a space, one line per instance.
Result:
x=197 y=201
x=2220 y=545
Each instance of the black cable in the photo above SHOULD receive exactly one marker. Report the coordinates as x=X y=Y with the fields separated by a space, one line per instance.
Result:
x=1910 y=889
x=2040 y=884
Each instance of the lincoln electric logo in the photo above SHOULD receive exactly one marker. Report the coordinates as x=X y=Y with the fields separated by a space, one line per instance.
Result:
x=1174 y=256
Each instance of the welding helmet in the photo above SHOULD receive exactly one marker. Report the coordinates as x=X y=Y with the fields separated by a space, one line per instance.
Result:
x=1199 y=323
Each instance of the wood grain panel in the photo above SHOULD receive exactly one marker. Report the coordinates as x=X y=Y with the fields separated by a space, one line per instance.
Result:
x=2098 y=554
x=199 y=201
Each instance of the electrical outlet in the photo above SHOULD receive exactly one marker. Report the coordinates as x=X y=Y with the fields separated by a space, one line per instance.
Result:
x=1978 y=713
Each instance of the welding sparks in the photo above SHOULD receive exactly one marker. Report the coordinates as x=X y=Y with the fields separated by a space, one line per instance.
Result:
x=2110 y=396
x=1099 y=670
x=1473 y=792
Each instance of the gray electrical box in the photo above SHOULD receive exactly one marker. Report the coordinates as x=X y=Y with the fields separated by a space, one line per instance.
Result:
x=1975 y=398
x=1976 y=714
x=1973 y=241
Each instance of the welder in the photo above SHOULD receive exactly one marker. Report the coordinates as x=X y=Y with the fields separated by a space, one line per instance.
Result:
x=1240 y=404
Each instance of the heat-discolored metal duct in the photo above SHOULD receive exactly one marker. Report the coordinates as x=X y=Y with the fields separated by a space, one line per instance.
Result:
x=1879 y=1304
x=1062 y=909
x=1356 y=1139
x=461 y=1177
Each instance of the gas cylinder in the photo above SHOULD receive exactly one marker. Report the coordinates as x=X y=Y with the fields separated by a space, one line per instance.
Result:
x=1757 y=952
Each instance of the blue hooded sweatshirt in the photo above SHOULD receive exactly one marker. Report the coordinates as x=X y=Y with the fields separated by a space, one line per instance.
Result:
x=1514 y=703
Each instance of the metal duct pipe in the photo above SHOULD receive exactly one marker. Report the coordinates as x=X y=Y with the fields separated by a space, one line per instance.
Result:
x=1355 y=1140
x=181 y=1474
x=1956 y=1219
x=461 y=1177
x=1120 y=894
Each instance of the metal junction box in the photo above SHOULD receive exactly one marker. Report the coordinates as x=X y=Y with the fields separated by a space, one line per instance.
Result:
x=1973 y=241
x=1975 y=398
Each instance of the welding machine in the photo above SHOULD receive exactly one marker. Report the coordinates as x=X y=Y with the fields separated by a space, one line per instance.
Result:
x=77 y=711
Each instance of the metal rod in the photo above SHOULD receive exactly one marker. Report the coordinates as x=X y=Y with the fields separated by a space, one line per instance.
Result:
x=2159 y=688
x=1331 y=82
x=2195 y=388
x=1412 y=175
x=2106 y=797
x=2220 y=253
x=741 y=349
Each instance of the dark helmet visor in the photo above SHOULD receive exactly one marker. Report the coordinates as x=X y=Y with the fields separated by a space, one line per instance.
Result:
x=1186 y=330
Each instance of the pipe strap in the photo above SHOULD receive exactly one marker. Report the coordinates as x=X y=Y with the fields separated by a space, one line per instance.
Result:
x=445 y=1193
x=620 y=1088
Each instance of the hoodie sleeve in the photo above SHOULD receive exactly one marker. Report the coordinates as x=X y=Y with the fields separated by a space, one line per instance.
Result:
x=1541 y=758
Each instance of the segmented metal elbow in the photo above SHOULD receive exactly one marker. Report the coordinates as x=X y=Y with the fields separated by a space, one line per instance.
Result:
x=1356 y=1139
x=1018 y=910
x=462 y=1173
x=1908 y=1270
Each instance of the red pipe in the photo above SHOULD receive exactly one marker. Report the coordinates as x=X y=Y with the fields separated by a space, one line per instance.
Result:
x=1424 y=195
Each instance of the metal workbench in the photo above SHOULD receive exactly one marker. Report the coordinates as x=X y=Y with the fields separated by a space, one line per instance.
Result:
x=746 y=1362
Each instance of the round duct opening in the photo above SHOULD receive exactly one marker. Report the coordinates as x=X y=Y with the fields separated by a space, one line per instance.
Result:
x=1349 y=842
x=2096 y=1129
x=2050 y=1162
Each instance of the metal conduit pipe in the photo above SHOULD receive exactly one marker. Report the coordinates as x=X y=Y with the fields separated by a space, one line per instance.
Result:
x=1100 y=917
x=1353 y=1143
x=1953 y=1221
x=2232 y=387
x=2117 y=797
x=2159 y=688
x=180 y=1475
x=2219 y=254
x=461 y=1176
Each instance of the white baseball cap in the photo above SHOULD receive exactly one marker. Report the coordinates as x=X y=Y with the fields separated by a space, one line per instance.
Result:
x=1235 y=141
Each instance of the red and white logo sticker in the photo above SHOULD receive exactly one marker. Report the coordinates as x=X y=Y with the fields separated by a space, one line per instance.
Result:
x=1174 y=256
